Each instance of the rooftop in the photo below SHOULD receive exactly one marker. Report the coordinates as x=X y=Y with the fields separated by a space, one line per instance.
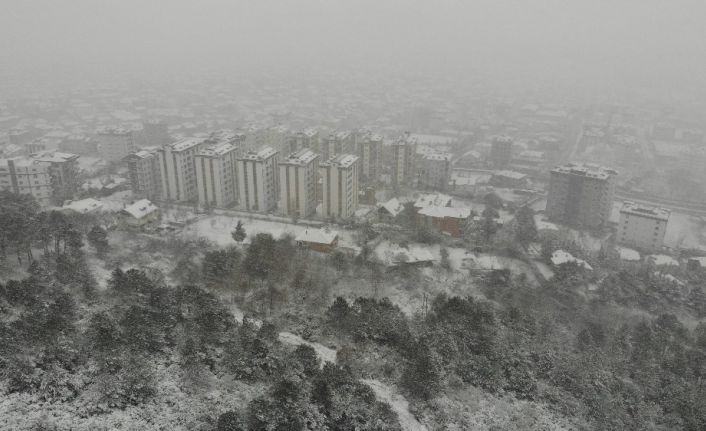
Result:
x=261 y=155
x=84 y=206
x=140 y=208
x=301 y=157
x=54 y=157
x=217 y=150
x=433 y=199
x=437 y=156
x=445 y=212
x=341 y=161
x=317 y=236
x=645 y=211
x=185 y=144
x=586 y=170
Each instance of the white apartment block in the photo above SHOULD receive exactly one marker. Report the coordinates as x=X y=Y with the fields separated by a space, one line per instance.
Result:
x=258 y=180
x=216 y=179
x=26 y=176
x=339 y=177
x=115 y=143
x=177 y=170
x=144 y=173
x=297 y=180
x=642 y=226
x=370 y=153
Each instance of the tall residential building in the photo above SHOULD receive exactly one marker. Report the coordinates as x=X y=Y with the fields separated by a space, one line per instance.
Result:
x=581 y=195
x=370 y=153
x=145 y=174
x=435 y=171
x=342 y=142
x=27 y=176
x=404 y=153
x=297 y=180
x=258 y=180
x=642 y=226
x=501 y=151
x=216 y=177
x=339 y=177
x=115 y=143
x=63 y=169
x=177 y=170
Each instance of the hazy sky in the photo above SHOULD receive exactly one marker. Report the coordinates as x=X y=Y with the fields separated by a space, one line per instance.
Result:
x=640 y=42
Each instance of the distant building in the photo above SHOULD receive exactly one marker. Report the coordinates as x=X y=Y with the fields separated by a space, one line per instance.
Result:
x=404 y=152
x=642 y=227
x=258 y=180
x=177 y=169
x=22 y=175
x=155 y=132
x=435 y=171
x=388 y=211
x=505 y=178
x=340 y=186
x=501 y=151
x=115 y=143
x=84 y=206
x=63 y=168
x=79 y=144
x=144 y=174
x=370 y=154
x=341 y=142
x=216 y=176
x=298 y=177
x=581 y=195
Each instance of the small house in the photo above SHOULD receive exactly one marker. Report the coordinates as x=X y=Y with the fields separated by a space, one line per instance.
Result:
x=321 y=240
x=447 y=220
x=140 y=213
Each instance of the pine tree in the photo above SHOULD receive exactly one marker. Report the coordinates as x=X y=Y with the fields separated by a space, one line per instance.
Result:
x=239 y=233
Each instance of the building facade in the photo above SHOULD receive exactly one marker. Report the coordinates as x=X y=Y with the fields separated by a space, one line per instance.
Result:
x=63 y=169
x=216 y=178
x=404 y=153
x=258 y=180
x=370 y=154
x=642 y=227
x=144 y=173
x=435 y=171
x=501 y=151
x=581 y=195
x=27 y=176
x=177 y=169
x=339 y=177
x=298 y=177
x=115 y=143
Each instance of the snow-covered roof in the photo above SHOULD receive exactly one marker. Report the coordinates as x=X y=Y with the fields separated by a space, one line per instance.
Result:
x=393 y=254
x=445 y=212
x=141 y=208
x=628 y=254
x=84 y=206
x=317 y=236
x=663 y=259
x=393 y=207
x=561 y=257
x=434 y=199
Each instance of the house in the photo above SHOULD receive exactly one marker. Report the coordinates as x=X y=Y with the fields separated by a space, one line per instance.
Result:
x=140 y=213
x=389 y=210
x=321 y=240
x=84 y=206
x=447 y=220
x=560 y=257
x=433 y=199
x=412 y=255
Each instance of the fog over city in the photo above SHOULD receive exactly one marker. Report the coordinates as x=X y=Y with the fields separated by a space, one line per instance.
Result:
x=355 y=215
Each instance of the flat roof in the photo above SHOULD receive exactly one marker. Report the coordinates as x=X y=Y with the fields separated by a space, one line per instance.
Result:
x=185 y=144
x=217 y=150
x=261 y=155
x=586 y=170
x=341 y=161
x=640 y=210
x=301 y=157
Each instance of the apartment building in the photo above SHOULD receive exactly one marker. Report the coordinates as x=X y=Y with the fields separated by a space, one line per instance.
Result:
x=63 y=169
x=216 y=178
x=642 y=226
x=370 y=154
x=27 y=176
x=145 y=174
x=581 y=195
x=501 y=151
x=177 y=170
x=404 y=153
x=435 y=171
x=339 y=177
x=115 y=143
x=258 y=180
x=298 y=177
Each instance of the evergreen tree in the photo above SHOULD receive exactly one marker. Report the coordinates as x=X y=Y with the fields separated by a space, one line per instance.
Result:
x=239 y=233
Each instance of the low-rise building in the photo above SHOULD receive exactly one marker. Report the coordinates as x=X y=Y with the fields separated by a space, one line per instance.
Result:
x=140 y=213
x=642 y=226
x=447 y=220
x=321 y=240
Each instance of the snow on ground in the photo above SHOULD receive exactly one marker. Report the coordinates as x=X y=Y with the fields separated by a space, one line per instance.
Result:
x=399 y=404
x=544 y=269
x=217 y=228
x=324 y=353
